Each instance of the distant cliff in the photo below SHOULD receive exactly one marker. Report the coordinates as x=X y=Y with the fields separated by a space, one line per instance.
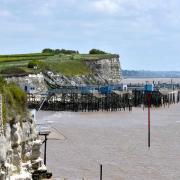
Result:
x=106 y=70
x=64 y=70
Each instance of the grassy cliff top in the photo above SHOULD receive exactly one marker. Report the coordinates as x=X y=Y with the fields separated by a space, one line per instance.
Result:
x=67 y=64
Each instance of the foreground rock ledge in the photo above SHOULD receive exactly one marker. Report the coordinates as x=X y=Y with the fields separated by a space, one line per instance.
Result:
x=20 y=151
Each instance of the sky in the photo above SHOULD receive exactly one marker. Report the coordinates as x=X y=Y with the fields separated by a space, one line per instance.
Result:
x=145 y=33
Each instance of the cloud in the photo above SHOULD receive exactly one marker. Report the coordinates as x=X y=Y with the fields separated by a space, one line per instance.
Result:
x=5 y=13
x=132 y=7
x=106 y=6
x=44 y=8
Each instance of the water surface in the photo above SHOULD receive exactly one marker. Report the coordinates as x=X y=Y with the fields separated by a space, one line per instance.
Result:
x=118 y=140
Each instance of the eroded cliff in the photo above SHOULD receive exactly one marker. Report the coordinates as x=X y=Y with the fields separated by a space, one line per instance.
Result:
x=106 y=70
x=19 y=141
x=102 y=71
x=20 y=150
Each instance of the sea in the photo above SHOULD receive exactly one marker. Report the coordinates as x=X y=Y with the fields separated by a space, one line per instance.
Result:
x=82 y=141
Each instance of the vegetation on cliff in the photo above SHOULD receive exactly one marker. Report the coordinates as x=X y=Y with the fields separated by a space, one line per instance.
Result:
x=14 y=101
x=66 y=62
x=24 y=57
x=68 y=67
x=13 y=71
x=59 y=51
x=97 y=51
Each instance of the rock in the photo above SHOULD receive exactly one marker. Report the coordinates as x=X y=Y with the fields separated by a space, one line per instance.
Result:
x=106 y=70
x=20 y=151
x=36 y=151
x=2 y=150
x=36 y=164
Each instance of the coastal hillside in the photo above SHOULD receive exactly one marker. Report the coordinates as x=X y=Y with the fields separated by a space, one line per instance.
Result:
x=71 y=67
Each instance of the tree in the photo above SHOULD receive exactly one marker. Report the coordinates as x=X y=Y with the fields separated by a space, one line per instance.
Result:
x=67 y=51
x=96 y=51
x=47 y=50
x=58 y=51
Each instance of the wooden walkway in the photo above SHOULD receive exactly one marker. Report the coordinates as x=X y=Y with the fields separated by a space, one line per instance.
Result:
x=115 y=101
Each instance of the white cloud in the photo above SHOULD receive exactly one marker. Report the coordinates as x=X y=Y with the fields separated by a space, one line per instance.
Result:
x=106 y=6
x=5 y=13
x=44 y=8
x=149 y=16
x=136 y=6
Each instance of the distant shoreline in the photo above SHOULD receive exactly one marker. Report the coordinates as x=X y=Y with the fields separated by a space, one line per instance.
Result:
x=151 y=79
x=150 y=74
x=145 y=77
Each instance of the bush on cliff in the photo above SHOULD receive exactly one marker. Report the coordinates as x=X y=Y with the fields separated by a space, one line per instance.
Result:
x=13 y=71
x=48 y=50
x=38 y=65
x=14 y=100
x=59 y=51
x=96 y=51
x=33 y=64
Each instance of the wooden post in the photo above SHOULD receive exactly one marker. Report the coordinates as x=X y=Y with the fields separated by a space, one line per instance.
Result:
x=45 y=134
x=45 y=148
x=149 y=120
x=100 y=171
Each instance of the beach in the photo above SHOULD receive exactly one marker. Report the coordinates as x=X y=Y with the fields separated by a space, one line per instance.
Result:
x=80 y=142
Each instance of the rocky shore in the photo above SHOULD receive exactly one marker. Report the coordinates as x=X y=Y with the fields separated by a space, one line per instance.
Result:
x=20 y=150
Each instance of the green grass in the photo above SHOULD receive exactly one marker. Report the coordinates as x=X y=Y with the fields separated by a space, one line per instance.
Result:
x=21 y=60
x=70 y=65
x=23 y=57
x=26 y=55
x=94 y=56
x=14 y=101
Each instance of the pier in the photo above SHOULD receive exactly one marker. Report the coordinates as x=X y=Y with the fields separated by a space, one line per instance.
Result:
x=96 y=98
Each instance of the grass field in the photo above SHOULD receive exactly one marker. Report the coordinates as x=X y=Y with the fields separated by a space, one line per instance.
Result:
x=71 y=65
x=24 y=57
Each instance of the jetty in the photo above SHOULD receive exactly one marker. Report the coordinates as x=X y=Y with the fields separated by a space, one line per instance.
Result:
x=101 y=98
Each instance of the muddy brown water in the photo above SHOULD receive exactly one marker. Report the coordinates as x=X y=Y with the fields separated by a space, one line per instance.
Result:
x=118 y=140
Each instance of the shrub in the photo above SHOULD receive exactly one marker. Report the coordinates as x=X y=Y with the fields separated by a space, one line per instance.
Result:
x=13 y=71
x=96 y=51
x=33 y=64
x=47 y=50
x=14 y=100
x=64 y=51
x=58 y=51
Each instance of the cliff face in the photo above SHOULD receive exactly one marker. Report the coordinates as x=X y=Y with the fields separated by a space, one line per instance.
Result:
x=32 y=83
x=19 y=150
x=103 y=71
x=106 y=70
